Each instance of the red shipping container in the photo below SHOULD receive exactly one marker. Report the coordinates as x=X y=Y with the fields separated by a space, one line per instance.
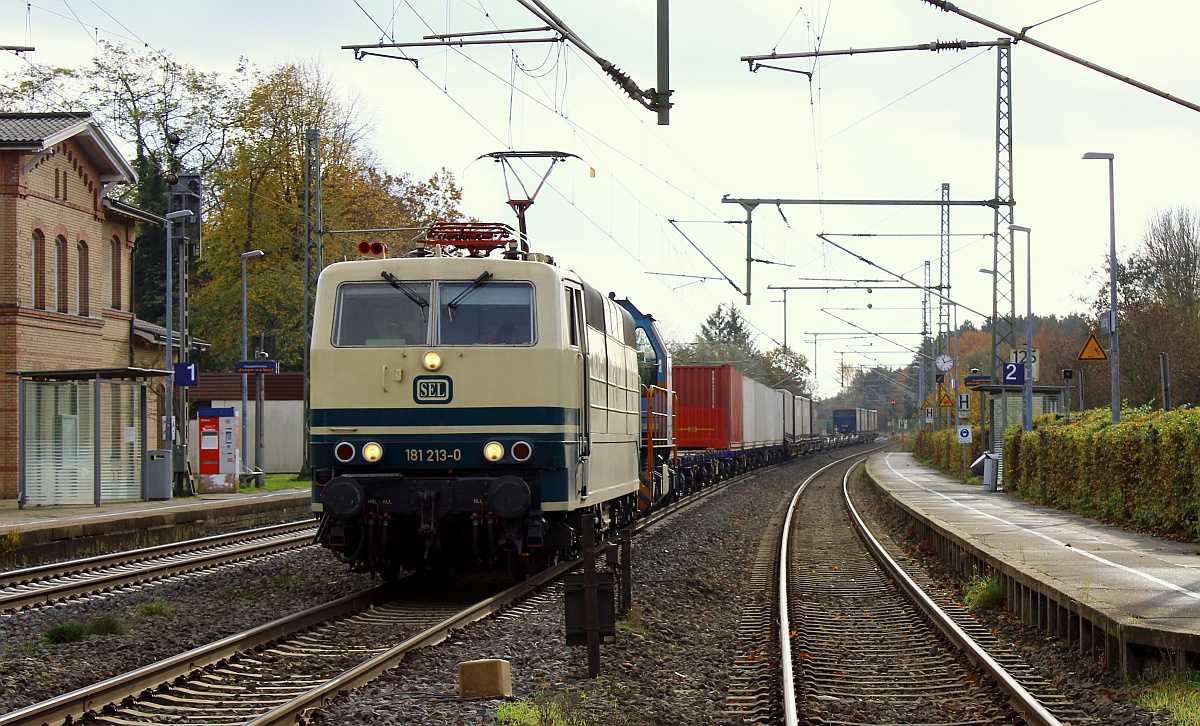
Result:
x=710 y=407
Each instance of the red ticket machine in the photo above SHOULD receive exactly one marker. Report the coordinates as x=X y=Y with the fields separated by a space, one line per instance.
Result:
x=220 y=449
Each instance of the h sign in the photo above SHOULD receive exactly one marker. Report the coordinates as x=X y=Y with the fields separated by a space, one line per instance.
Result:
x=1014 y=374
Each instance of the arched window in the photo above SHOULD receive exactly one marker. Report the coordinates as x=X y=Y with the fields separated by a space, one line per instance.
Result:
x=83 y=288
x=38 y=269
x=61 y=276
x=114 y=274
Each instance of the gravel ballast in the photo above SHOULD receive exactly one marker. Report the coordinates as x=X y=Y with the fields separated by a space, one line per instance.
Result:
x=692 y=580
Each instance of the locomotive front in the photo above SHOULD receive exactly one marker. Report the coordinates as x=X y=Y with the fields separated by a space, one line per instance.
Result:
x=446 y=398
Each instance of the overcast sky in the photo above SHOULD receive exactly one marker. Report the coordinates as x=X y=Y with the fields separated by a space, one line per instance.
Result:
x=867 y=126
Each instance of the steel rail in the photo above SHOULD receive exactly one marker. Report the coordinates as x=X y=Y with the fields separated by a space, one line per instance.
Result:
x=111 y=691
x=1021 y=700
x=189 y=559
x=9 y=578
x=785 y=643
x=293 y=711
x=115 y=689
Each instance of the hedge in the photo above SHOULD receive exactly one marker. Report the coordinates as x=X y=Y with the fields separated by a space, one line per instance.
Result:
x=1141 y=472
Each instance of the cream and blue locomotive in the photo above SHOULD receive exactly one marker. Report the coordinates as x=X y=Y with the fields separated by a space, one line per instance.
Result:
x=469 y=403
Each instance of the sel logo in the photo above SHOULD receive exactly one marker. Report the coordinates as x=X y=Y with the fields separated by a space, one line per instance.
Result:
x=433 y=389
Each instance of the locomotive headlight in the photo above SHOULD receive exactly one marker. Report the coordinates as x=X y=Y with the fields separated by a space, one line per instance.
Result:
x=493 y=451
x=432 y=360
x=372 y=452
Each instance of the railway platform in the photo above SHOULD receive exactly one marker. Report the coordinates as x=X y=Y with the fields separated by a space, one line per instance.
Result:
x=1126 y=597
x=34 y=535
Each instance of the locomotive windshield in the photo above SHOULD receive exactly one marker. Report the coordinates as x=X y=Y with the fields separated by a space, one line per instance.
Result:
x=495 y=313
x=378 y=314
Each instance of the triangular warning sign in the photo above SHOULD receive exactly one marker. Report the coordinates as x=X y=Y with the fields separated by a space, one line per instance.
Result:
x=1092 y=350
x=945 y=400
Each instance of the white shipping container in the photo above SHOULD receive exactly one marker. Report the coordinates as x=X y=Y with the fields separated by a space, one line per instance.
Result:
x=802 y=408
x=787 y=404
x=762 y=415
x=769 y=426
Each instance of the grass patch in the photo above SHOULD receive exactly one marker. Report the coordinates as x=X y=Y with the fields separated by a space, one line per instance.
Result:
x=10 y=541
x=283 y=579
x=107 y=625
x=1176 y=693
x=633 y=622
x=26 y=649
x=155 y=608
x=544 y=709
x=72 y=631
x=983 y=592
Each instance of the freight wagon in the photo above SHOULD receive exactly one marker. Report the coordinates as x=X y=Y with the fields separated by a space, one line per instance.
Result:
x=860 y=421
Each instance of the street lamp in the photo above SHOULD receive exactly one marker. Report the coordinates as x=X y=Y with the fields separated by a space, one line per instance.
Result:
x=168 y=390
x=252 y=254
x=1027 y=388
x=1114 y=348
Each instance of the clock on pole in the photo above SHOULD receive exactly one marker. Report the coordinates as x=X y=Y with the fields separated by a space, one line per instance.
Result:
x=944 y=362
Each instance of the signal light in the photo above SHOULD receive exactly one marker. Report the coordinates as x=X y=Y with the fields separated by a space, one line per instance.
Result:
x=521 y=451
x=344 y=451
x=372 y=248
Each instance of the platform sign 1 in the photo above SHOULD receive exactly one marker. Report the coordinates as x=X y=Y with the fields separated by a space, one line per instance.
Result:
x=186 y=374
x=964 y=435
x=964 y=402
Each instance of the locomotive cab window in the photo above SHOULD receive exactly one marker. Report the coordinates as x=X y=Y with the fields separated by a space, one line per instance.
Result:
x=370 y=314
x=647 y=359
x=485 y=313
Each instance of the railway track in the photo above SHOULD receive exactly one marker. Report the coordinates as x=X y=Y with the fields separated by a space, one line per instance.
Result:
x=46 y=584
x=278 y=673
x=860 y=641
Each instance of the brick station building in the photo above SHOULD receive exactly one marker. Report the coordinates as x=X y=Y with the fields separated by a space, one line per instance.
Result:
x=66 y=255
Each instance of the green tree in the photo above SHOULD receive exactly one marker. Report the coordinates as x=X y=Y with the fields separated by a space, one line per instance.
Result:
x=785 y=368
x=171 y=117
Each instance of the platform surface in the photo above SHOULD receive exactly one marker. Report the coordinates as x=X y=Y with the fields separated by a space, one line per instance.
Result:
x=1134 y=578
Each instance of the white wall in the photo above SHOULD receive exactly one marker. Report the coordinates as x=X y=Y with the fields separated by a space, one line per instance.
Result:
x=283 y=445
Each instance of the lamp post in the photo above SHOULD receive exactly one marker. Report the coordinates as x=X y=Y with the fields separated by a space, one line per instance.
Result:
x=1114 y=348
x=245 y=256
x=168 y=390
x=1027 y=388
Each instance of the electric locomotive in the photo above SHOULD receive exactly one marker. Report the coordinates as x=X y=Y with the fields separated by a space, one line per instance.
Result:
x=469 y=404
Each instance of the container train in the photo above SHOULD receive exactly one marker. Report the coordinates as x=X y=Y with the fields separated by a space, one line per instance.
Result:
x=855 y=420
x=470 y=409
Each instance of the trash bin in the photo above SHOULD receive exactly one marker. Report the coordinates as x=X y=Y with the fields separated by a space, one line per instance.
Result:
x=157 y=473
x=989 y=472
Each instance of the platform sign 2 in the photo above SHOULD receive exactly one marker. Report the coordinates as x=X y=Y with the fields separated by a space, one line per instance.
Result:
x=1014 y=374
x=964 y=434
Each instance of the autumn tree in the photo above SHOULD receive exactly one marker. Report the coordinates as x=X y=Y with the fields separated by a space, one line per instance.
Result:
x=1159 y=304
x=259 y=204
